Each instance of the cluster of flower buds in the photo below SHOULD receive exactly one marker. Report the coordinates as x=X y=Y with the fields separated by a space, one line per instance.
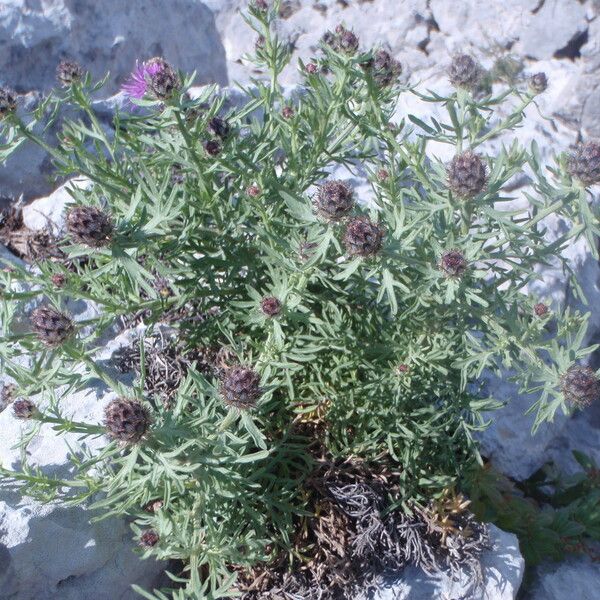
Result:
x=580 y=386
x=240 y=387
x=126 y=420
x=363 y=237
x=453 y=263
x=341 y=40
x=270 y=306
x=334 y=200
x=584 y=163
x=8 y=102
x=541 y=310
x=464 y=72
x=68 y=72
x=467 y=175
x=90 y=226
x=51 y=326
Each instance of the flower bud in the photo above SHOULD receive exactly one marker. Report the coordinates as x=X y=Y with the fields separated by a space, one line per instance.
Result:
x=261 y=5
x=541 y=309
x=384 y=69
x=212 y=147
x=149 y=538
x=467 y=175
x=51 y=327
x=270 y=306
x=584 y=163
x=311 y=68
x=287 y=112
x=164 y=81
x=58 y=280
x=464 y=72
x=382 y=175
x=68 y=72
x=24 y=409
x=453 y=263
x=218 y=127
x=126 y=420
x=253 y=191
x=334 y=200
x=90 y=226
x=580 y=386
x=538 y=82
x=8 y=102
x=241 y=387
x=363 y=237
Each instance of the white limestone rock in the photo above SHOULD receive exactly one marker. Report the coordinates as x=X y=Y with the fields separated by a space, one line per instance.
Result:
x=502 y=567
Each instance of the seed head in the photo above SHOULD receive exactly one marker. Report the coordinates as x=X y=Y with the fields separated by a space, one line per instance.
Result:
x=149 y=538
x=164 y=81
x=342 y=40
x=467 y=175
x=51 y=327
x=363 y=237
x=384 y=69
x=68 y=72
x=270 y=306
x=126 y=420
x=464 y=72
x=58 y=280
x=580 y=386
x=453 y=263
x=584 y=163
x=541 y=309
x=8 y=102
x=241 y=387
x=212 y=147
x=24 y=409
x=287 y=112
x=334 y=200
x=538 y=82
x=218 y=127
x=90 y=226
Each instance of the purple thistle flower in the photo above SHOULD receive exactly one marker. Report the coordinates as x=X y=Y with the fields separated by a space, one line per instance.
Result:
x=138 y=84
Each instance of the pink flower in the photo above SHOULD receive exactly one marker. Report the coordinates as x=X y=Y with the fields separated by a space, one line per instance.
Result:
x=138 y=83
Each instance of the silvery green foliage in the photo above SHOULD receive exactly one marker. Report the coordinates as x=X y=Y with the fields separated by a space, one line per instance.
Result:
x=378 y=333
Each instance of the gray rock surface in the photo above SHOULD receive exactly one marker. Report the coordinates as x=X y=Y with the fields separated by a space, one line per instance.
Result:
x=106 y=36
x=575 y=578
x=502 y=568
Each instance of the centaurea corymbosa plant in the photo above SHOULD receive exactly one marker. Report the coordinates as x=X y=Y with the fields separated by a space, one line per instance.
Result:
x=310 y=323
